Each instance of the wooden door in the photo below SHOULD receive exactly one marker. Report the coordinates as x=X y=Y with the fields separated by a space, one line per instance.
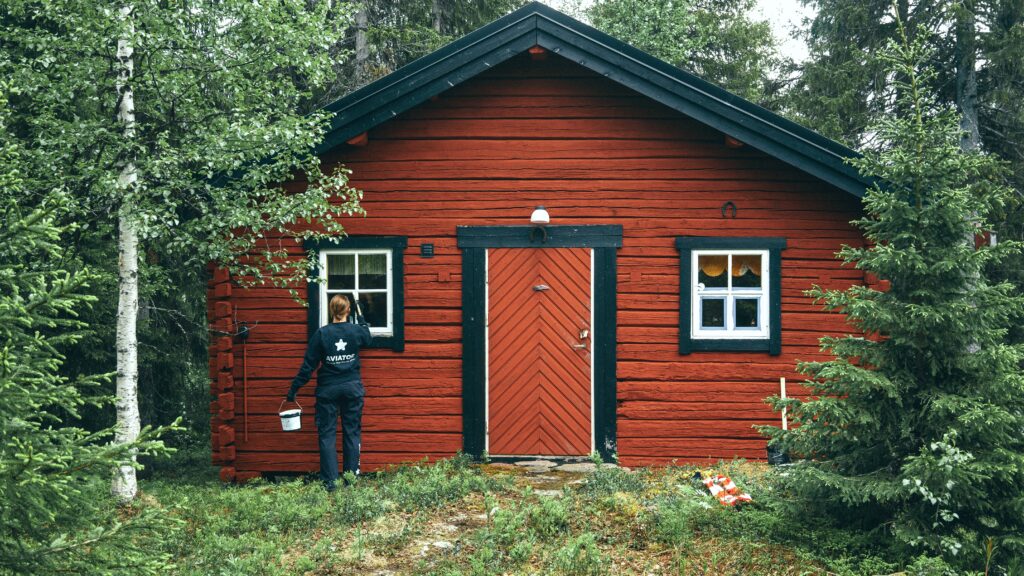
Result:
x=539 y=351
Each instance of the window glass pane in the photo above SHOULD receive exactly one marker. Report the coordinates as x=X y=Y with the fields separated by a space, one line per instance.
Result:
x=373 y=271
x=711 y=270
x=341 y=271
x=712 y=313
x=375 y=309
x=747 y=313
x=746 y=271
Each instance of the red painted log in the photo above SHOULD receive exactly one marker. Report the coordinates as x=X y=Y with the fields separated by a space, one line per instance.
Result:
x=227 y=474
x=222 y=290
x=243 y=476
x=226 y=435
x=222 y=310
x=224 y=344
x=225 y=361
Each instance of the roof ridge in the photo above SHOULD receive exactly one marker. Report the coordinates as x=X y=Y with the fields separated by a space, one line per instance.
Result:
x=536 y=24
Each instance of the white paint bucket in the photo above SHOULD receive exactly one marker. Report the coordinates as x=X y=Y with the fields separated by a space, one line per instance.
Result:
x=290 y=419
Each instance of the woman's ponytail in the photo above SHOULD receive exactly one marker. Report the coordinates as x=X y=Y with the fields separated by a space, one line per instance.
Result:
x=338 y=307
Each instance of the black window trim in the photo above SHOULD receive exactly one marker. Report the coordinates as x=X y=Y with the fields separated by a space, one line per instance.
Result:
x=397 y=245
x=774 y=245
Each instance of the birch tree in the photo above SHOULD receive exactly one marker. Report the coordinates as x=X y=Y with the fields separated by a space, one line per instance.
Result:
x=55 y=517
x=172 y=125
x=128 y=422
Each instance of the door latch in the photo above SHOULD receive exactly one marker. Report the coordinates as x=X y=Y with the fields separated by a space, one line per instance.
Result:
x=541 y=288
x=583 y=336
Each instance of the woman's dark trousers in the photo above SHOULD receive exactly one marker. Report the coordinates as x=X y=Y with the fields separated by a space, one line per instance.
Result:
x=333 y=400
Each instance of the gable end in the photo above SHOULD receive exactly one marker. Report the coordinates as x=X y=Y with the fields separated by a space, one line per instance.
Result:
x=539 y=25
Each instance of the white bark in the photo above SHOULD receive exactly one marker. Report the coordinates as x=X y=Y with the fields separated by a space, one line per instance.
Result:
x=124 y=486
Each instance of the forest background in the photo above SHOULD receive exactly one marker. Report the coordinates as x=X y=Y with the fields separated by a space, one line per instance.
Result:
x=841 y=89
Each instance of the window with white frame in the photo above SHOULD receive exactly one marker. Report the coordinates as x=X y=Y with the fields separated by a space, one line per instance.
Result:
x=366 y=275
x=730 y=294
x=729 y=299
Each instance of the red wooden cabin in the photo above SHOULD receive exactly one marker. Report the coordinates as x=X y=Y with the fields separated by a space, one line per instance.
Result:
x=649 y=319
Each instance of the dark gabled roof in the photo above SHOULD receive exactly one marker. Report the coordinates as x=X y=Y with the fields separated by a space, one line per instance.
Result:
x=538 y=25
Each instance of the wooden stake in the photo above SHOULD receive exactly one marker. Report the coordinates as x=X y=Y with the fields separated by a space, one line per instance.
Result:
x=782 y=385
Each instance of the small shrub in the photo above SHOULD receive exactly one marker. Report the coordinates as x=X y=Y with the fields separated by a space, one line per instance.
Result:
x=393 y=539
x=549 y=517
x=508 y=526
x=580 y=556
x=506 y=542
x=428 y=486
x=674 y=519
x=925 y=565
x=607 y=480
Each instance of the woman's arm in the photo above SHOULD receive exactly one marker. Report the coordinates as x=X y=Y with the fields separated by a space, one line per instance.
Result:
x=310 y=361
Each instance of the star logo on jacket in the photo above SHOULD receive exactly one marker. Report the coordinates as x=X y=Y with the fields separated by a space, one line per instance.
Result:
x=341 y=344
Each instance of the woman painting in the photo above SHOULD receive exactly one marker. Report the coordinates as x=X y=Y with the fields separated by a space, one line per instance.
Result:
x=339 y=390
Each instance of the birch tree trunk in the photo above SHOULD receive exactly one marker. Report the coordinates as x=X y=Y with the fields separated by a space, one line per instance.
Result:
x=124 y=486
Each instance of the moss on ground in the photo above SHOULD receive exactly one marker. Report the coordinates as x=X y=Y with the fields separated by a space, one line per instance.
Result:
x=459 y=518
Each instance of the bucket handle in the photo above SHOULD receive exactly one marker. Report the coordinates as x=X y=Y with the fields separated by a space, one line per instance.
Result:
x=285 y=401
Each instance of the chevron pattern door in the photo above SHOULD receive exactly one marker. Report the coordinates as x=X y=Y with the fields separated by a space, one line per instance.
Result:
x=539 y=392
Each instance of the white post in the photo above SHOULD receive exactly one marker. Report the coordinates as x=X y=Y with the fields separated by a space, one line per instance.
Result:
x=782 y=385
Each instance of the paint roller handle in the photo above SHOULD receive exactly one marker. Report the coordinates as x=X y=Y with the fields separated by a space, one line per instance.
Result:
x=357 y=317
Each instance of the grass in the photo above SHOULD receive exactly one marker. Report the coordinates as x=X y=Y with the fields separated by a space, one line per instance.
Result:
x=459 y=518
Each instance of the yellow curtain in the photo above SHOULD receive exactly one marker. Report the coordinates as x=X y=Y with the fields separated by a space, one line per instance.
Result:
x=713 y=265
x=740 y=264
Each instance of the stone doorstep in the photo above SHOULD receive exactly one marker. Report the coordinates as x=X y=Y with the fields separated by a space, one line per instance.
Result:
x=536 y=463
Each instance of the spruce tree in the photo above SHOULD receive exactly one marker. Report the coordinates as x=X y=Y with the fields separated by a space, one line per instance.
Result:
x=56 y=515
x=916 y=426
x=719 y=40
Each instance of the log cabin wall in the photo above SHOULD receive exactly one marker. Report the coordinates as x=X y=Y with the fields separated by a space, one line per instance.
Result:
x=546 y=132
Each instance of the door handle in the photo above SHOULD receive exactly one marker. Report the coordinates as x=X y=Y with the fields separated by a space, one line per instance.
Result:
x=580 y=346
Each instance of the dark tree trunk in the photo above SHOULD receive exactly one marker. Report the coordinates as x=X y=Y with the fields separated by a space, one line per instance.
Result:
x=966 y=76
x=437 y=10
x=362 y=49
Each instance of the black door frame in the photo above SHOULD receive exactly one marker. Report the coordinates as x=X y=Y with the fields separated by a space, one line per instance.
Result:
x=474 y=242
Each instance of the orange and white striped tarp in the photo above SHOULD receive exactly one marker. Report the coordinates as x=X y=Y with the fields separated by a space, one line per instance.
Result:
x=723 y=488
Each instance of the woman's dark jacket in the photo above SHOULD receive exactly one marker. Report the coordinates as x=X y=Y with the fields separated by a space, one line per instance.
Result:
x=335 y=348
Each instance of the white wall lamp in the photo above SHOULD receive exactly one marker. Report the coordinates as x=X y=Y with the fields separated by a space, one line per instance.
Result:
x=540 y=219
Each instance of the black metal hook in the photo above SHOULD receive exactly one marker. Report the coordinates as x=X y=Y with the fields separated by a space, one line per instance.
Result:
x=729 y=205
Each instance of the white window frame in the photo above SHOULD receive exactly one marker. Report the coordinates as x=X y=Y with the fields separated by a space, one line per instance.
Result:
x=325 y=294
x=730 y=332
